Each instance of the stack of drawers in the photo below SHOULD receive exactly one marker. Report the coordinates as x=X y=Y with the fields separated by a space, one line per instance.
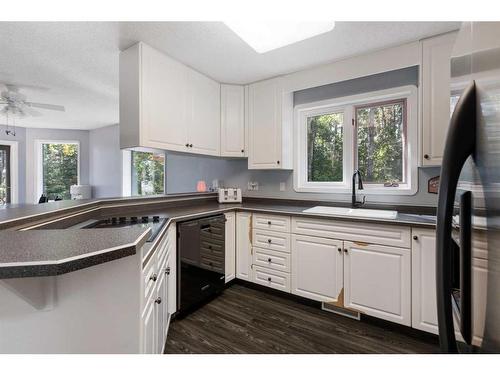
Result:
x=271 y=251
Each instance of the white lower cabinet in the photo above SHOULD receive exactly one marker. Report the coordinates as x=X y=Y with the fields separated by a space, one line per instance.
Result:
x=423 y=263
x=424 y=307
x=244 y=245
x=159 y=289
x=377 y=281
x=230 y=243
x=148 y=328
x=317 y=268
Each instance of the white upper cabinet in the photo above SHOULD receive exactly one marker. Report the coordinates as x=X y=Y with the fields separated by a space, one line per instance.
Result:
x=232 y=121
x=166 y=105
x=204 y=115
x=436 y=53
x=269 y=126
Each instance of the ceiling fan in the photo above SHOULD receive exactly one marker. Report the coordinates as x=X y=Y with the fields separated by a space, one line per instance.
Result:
x=15 y=104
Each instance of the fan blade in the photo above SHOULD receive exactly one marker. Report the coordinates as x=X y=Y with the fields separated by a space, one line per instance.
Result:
x=15 y=86
x=46 y=106
x=30 y=112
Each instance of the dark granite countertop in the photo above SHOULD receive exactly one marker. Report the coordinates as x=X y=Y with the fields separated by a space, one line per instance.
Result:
x=47 y=252
x=57 y=251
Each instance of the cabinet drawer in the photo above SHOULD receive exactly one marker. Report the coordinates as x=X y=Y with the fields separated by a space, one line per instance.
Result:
x=271 y=240
x=275 y=260
x=271 y=278
x=392 y=235
x=271 y=222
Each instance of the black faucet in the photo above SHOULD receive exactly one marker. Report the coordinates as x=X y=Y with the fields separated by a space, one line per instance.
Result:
x=355 y=203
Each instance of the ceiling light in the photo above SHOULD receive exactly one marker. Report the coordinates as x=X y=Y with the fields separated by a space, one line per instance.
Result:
x=268 y=35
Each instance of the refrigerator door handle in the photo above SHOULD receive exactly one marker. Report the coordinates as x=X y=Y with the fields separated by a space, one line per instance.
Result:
x=466 y=266
x=460 y=144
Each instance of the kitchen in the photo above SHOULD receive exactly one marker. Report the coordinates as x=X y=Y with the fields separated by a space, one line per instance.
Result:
x=261 y=199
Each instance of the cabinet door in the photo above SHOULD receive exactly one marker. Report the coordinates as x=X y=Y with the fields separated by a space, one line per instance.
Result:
x=204 y=117
x=164 y=101
x=264 y=125
x=232 y=121
x=377 y=281
x=149 y=328
x=317 y=268
x=230 y=244
x=423 y=264
x=243 y=245
x=436 y=53
x=161 y=312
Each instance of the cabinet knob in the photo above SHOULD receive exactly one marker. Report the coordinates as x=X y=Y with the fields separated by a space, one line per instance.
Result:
x=415 y=238
x=269 y=260
x=345 y=250
x=278 y=162
x=167 y=270
x=426 y=156
x=187 y=144
x=190 y=145
x=269 y=279
x=153 y=277
x=339 y=249
x=269 y=240
x=242 y=150
x=269 y=222
x=158 y=300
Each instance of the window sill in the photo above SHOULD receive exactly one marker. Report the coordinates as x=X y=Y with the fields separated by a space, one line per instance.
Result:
x=366 y=191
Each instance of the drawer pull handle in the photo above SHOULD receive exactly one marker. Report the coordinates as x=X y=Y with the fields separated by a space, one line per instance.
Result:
x=269 y=240
x=426 y=156
x=269 y=222
x=167 y=271
x=158 y=300
x=415 y=238
x=345 y=250
x=339 y=249
x=269 y=279
x=153 y=277
x=269 y=260
x=210 y=247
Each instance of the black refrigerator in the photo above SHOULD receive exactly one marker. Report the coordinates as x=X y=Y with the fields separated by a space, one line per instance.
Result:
x=468 y=203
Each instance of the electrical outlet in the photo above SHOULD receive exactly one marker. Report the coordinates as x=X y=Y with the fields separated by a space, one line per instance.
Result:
x=282 y=186
x=253 y=185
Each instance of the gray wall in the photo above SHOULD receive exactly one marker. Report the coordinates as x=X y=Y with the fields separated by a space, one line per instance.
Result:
x=20 y=138
x=184 y=171
x=269 y=187
x=105 y=162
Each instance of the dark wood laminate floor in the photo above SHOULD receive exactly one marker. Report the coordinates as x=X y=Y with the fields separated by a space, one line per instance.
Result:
x=245 y=320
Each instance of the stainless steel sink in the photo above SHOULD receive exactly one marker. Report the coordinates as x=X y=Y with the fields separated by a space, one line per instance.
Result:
x=353 y=212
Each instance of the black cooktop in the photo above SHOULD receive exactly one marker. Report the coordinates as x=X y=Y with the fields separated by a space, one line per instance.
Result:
x=153 y=222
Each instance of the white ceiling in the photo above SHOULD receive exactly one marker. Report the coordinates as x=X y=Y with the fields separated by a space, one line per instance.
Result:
x=75 y=64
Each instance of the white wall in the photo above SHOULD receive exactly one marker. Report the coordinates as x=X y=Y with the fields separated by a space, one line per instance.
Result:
x=53 y=135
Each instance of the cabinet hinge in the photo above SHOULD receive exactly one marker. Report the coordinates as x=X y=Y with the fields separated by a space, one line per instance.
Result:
x=353 y=122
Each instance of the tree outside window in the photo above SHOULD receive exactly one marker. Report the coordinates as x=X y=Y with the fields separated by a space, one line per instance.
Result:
x=59 y=169
x=148 y=173
x=380 y=142
x=325 y=137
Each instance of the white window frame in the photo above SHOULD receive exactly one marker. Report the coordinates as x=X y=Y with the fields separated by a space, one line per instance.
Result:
x=348 y=104
x=14 y=169
x=39 y=166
